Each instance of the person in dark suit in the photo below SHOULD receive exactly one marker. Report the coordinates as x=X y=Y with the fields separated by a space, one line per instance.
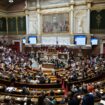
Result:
x=52 y=93
x=41 y=99
x=25 y=91
x=42 y=80
x=88 y=99
x=72 y=99
x=29 y=102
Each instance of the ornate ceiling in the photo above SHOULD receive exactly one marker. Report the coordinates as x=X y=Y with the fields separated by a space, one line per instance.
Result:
x=5 y=3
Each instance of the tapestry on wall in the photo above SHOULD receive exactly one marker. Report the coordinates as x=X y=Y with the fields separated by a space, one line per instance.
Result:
x=21 y=25
x=12 y=26
x=3 y=29
x=97 y=22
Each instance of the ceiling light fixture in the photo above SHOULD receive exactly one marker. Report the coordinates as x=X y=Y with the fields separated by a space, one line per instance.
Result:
x=10 y=1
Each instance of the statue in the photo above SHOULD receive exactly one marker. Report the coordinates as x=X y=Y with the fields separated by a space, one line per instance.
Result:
x=81 y=20
x=33 y=24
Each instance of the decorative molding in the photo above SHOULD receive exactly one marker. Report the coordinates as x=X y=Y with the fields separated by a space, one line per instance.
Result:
x=98 y=7
x=80 y=21
x=55 y=10
x=16 y=14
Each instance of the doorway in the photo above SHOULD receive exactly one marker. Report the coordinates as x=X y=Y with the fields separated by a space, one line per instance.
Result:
x=17 y=45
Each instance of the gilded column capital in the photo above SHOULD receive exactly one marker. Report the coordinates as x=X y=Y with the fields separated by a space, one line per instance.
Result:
x=88 y=2
x=38 y=10
x=71 y=7
x=26 y=12
x=71 y=16
x=89 y=5
x=71 y=3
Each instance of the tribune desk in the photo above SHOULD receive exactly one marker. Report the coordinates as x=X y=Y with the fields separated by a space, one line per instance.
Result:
x=48 y=68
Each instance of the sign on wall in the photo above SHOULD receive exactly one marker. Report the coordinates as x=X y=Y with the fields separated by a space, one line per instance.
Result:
x=63 y=40
x=49 y=40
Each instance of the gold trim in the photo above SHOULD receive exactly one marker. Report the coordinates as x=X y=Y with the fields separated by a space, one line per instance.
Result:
x=98 y=7
x=3 y=11
x=56 y=6
x=16 y=11
x=55 y=10
x=62 y=33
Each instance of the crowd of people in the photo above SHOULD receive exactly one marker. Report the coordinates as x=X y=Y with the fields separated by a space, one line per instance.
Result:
x=80 y=68
x=85 y=94
x=18 y=67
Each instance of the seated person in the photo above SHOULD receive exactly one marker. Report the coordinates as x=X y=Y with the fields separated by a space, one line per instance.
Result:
x=25 y=91
x=10 y=89
x=49 y=80
x=42 y=80
x=52 y=93
x=53 y=101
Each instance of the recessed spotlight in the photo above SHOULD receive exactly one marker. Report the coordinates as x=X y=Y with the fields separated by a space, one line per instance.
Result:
x=11 y=1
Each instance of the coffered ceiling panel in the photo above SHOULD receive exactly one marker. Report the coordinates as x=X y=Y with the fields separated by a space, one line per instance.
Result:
x=5 y=4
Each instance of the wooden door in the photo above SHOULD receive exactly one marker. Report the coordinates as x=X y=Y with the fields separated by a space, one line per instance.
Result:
x=16 y=46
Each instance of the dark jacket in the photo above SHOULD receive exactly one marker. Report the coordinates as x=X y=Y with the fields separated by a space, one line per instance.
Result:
x=88 y=99
x=41 y=100
x=73 y=101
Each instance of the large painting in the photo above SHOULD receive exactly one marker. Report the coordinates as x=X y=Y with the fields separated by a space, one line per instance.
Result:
x=56 y=23
x=22 y=25
x=3 y=29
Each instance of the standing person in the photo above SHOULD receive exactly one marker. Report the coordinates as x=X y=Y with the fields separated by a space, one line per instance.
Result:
x=47 y=101
x=88 y=99
x=72 y=99
x=41 y=99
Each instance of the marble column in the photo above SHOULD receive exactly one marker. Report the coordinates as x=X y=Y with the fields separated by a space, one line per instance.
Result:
x=38 y=4
x=71 y=20
x=88 y=39
x=27 y=25
x=27 y=17
x=88 y=14
x=88 y=25
x=27 y=20
x=101 y=47
x=39 y=22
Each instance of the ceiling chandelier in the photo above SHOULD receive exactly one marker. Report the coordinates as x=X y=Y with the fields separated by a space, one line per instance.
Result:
x=11 y=1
